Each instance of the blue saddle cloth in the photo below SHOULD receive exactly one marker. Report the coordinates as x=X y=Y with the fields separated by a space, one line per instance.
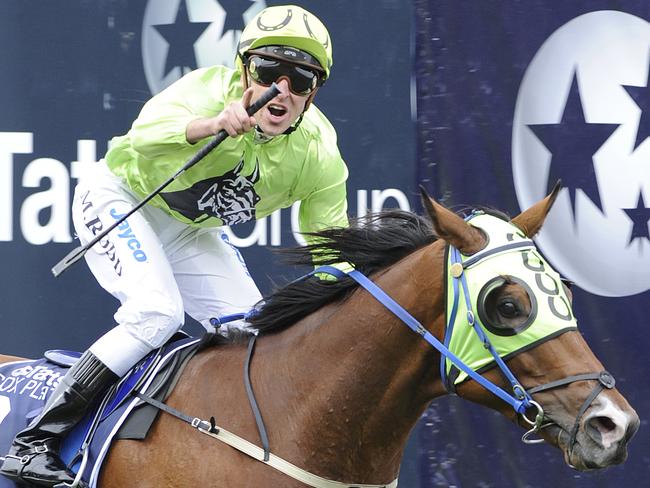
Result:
x=26 y=385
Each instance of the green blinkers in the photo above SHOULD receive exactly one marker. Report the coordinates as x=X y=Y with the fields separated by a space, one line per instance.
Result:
x=485 y=273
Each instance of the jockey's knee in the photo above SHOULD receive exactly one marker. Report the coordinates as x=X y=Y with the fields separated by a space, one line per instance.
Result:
x=122 y=347
x=155 y=327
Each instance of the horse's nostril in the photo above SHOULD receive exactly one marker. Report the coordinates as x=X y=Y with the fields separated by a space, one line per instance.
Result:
x=604 y=430
x=603 y=424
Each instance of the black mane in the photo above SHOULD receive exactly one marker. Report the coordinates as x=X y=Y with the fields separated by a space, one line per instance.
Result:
x=370 y=243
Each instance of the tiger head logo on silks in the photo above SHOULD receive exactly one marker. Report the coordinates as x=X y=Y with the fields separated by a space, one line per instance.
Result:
x=230 y=197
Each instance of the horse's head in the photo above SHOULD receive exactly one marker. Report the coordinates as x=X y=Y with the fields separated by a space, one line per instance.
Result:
x=521 y=320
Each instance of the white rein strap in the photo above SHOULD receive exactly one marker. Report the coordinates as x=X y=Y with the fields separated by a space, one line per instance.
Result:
x=280 y=464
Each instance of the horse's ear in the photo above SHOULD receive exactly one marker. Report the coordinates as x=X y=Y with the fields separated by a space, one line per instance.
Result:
x=450 y=227
x=530 y=221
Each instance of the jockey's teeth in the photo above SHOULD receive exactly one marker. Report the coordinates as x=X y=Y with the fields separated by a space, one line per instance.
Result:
x=277 y=111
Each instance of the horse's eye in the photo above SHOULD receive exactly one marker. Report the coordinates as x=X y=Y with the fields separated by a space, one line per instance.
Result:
x=508 y=309
x=506 y=305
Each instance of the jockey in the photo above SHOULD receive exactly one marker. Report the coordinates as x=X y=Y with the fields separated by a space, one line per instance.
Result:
x=173 y=257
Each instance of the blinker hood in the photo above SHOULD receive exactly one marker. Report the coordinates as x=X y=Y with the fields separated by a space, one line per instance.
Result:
x=506 y=258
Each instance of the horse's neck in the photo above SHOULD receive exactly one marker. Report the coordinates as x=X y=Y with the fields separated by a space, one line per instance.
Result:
x=360 y=378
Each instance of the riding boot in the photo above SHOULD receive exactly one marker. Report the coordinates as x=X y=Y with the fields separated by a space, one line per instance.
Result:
x=34 y=455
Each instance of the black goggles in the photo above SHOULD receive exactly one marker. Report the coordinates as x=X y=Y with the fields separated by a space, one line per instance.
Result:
x=264 y=71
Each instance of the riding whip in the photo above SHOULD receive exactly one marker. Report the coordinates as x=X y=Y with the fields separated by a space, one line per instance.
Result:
x=78 y=252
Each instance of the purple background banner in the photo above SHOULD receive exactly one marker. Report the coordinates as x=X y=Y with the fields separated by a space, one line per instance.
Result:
x=512 y=96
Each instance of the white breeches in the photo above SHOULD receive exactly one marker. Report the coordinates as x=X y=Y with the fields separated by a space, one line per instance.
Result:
x=157 y=267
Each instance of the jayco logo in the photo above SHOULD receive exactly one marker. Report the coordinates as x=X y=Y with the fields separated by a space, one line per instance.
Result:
x=131 y=241
x=583 y=116
x=181 y=35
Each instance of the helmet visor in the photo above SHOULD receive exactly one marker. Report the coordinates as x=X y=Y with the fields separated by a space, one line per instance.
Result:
x=264 y=71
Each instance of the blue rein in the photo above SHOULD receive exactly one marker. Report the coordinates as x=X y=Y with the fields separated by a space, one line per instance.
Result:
x=520 y=401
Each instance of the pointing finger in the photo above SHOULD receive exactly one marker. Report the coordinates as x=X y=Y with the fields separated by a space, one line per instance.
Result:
x=246 y=98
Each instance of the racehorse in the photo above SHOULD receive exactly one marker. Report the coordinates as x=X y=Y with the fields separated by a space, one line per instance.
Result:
x=340 y=381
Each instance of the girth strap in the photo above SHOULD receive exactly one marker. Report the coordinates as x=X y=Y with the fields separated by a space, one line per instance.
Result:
x=193 y=421
x=209 y=427
x=233 y=440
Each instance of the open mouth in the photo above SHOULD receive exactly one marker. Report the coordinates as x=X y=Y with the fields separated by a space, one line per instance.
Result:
x=277 y=110
x=562 y=438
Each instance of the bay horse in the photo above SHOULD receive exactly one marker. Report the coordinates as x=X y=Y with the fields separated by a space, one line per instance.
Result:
x=340 y=381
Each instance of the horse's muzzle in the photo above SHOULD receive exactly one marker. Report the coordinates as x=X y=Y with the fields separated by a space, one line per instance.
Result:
x=600 y=443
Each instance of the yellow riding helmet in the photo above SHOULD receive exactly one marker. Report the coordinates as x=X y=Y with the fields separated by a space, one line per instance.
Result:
x=288 y=25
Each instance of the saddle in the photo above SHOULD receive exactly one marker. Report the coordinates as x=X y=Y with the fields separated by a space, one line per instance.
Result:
x=25 y=387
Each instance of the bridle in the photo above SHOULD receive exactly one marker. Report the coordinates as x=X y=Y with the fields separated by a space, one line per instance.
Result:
x=605 y=380
x=519 y=398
